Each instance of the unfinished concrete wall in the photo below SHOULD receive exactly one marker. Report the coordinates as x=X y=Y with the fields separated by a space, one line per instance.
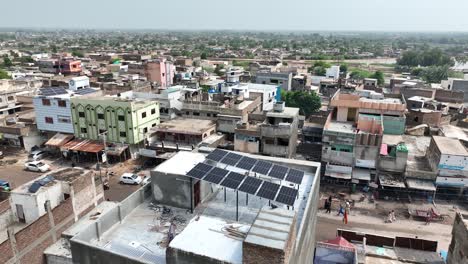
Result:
x=170 y=189
x=342 y=114
x=177 y=256
x=458 y=249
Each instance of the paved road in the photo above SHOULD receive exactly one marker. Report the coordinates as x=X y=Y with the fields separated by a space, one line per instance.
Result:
x=16 y=175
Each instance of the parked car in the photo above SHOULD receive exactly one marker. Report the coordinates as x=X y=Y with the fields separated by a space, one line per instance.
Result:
x=145 y=180
x=4 y=186
x=130 y=178
x=37 y=154
x=38 y=166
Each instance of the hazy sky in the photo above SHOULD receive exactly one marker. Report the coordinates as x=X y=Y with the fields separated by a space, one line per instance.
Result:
x=382 y=15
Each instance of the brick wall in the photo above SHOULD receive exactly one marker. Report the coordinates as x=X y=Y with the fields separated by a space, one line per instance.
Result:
x=252 y=253
x=4 y=206
x=82 y=182
x=36 y=256
x=32 y=232
x=6 y=251
x=449 y=96
x=62 y=211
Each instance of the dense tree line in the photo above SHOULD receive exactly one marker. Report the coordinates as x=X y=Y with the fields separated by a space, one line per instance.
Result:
x=425 y=57
x=307 y=102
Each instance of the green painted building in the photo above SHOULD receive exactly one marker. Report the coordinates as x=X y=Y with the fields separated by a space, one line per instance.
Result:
x=125 y=120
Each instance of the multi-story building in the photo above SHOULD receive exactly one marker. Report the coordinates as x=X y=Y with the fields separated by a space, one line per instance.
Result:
x=10 y=90
x=60 y=66
x=281 y=79
x=275 y=135
x=333 y=72
x=52 y=105
x=158 y=71
x=122 y=119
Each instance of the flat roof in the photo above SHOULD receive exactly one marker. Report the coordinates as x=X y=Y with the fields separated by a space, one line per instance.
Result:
x=450 y=146
x=185 y=126
x=343 y=127
x=452 y=131
x=287 y=112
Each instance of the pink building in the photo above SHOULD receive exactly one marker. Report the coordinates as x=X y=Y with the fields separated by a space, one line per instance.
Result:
x=160 y=71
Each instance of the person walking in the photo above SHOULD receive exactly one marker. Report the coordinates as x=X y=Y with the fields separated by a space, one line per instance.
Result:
x=347 y=209
x=329 y=203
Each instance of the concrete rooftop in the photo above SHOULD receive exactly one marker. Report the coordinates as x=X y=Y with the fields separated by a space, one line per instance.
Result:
x=450 y=146
x=185 y=125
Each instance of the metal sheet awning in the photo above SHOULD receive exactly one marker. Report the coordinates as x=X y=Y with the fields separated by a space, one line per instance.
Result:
x=361 y=174
x=456 y=182
x=83 y=145
x=418 y=184
x=339 y=172
x=59 y=140
x=390 y=181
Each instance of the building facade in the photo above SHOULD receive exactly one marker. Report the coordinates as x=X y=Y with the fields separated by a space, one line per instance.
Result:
x=121 y=120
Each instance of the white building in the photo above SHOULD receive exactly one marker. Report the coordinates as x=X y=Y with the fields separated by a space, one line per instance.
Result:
x=252 y=90
x=333 y=72
x=52 y=105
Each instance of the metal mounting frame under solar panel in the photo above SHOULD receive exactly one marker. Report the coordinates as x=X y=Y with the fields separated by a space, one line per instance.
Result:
x=216 y=175
x=231 y=159
x=295 y=176
x=217 y=155
x=246 y=163
x=48 y=91
x=286 y=195
x=199 y=171
x=262 y=167
x=232 y=180
x=250 y=185
x=268 y=190
x=278 y=172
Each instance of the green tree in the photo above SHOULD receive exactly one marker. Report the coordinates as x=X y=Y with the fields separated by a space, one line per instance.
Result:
x=77 y=53
x=379 y=76
x=4 y=75
x=358 y=74
x=218 y=69
x=203 y=56
x=307 y=102
x=344 y=67
x=7 y=62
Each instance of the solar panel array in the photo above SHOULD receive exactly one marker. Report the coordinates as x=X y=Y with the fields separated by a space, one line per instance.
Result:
x=246 y=184
x=49 y=91
x=258 y=166
x=85 y=91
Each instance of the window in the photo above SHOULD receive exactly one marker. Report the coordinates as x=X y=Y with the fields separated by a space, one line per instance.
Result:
x=153 y=111
x=153 y=125
x=283 y=142
x=11 y=98
x=49 y=120
x=64 y=119
x=270 y=141
x=81 y=114
x=196 y=113
x=46 y=102
x=208 y=115
x=143 y=115
x=123 y=134
x=121 y=118
x=62 y=103
x=102 y=131
x=84 y=130
x=145 y=130
x=187 y=113
x=100 y=116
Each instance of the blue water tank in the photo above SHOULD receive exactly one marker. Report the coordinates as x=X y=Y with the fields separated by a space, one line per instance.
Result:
x=278 y=93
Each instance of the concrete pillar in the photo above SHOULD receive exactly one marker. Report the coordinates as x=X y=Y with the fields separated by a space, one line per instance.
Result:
x=51 y=221
x=12 y=239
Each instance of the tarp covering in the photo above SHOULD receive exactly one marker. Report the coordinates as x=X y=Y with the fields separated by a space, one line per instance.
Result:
x=340 y=241
x=384 y=150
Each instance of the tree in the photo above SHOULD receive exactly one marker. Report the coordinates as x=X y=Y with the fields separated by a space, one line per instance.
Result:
x=7 y=62
x=307 y=102
x=344 y=67
x=379 y=76
x=203 y=56
x=218 y=69
x=319 y=68
x=4 y=75
x=77 y=53
x=358 y=74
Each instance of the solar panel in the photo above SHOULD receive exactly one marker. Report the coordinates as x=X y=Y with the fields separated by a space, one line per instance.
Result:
x=295 y=176
x=85 y=91
x=216 y=175
x=246 y=163
x=217 y=155
x=262 y=167
x=233 y=180
x=286 y=195
x=231 y=159
x=268 y=190
x=199 y=171
x=53 y=91
x=250 y=185
x=278 y=172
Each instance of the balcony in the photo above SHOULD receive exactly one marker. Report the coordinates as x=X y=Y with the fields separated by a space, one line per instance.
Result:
x=337 y=157
x=281 y=130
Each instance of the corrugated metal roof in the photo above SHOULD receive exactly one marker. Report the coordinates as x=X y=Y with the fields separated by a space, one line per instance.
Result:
x=59 y=140
x=84 y=145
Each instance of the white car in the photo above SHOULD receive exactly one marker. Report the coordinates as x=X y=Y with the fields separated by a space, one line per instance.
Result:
x=38 y=166
x=37 y=155
x=130 y=178
x=146 y=180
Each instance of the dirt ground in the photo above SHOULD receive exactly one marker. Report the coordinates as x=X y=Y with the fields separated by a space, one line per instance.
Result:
x=367 y=216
